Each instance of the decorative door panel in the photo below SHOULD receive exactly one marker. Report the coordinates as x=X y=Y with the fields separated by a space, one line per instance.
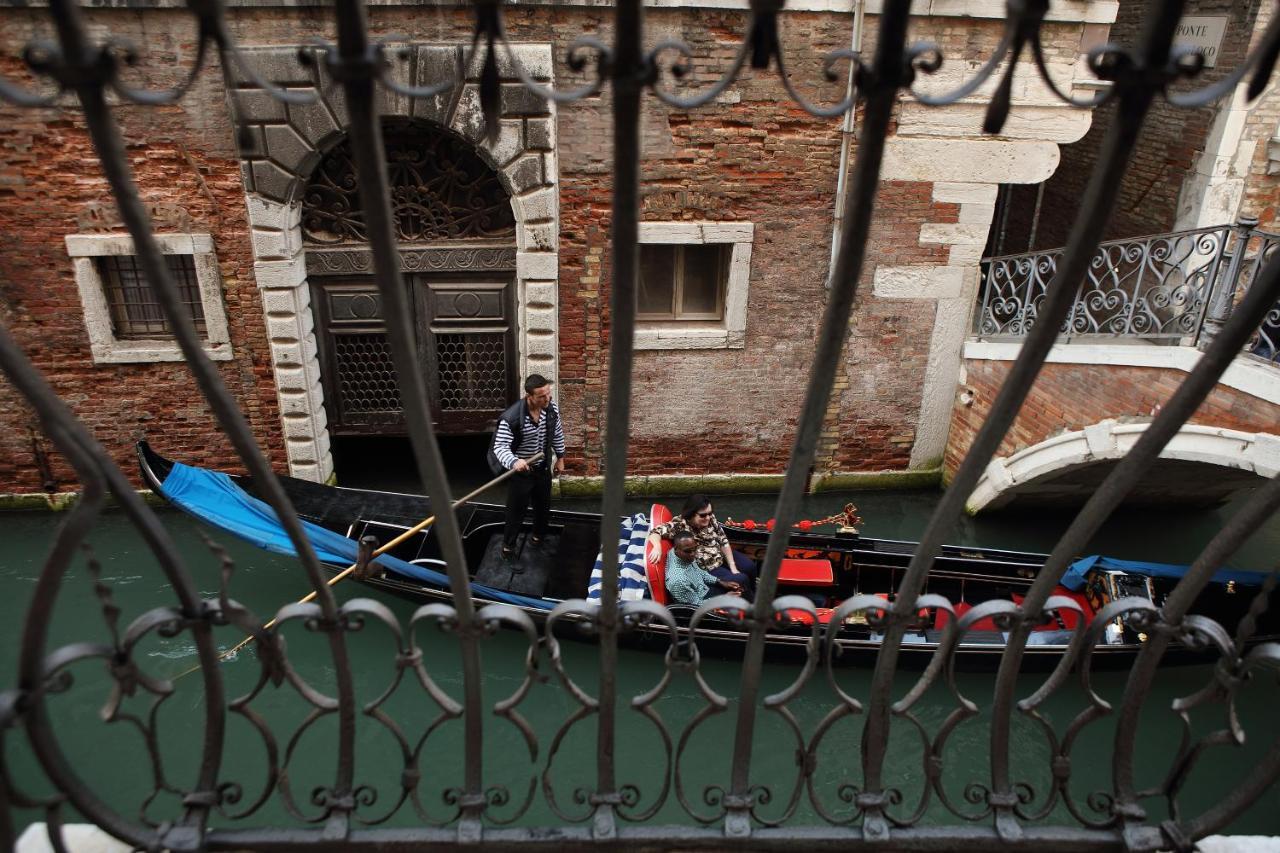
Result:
x=469 y=346
x=465 y=340
x=358 y=374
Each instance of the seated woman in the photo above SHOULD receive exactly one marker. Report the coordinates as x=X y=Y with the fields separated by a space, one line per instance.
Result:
x=713 y=551
x=687 y=583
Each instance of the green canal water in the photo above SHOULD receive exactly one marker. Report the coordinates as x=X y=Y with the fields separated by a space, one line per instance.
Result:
x=112 y=757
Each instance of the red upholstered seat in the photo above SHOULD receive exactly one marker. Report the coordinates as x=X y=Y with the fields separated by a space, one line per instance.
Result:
x=1069 y=617
x=961 y=609
x=806 y=572
x=803 y=617
x=656 y=573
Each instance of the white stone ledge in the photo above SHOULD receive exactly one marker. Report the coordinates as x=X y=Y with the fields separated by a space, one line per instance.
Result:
x=1088 y=11
x=152 y=352
x=695 y=233
x=675 y=337
x=100 y=245
x=1033 y=117
x=975 y=161
x=1252 y=377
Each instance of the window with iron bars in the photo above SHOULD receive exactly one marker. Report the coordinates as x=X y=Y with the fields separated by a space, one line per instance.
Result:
x=135 y=311
x=122 y=311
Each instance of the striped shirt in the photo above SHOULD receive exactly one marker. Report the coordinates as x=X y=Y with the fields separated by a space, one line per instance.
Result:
x=533 y=437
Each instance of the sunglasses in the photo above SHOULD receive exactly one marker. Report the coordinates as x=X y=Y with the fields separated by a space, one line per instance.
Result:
x=706 y=514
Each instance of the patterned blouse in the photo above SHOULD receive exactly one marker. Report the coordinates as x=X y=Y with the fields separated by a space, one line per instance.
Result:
x=687 y=582
x=711 y=540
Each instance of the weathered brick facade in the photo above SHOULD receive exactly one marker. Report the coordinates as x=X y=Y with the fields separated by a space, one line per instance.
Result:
x=48 y=173
x=1262 y=131
x=1153 y=194
x=750 y=157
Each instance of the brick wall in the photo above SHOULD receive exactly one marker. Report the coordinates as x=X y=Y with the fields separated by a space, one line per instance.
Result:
x=48 y=172
x=1069 y=397
x=1262 y=190
x=1172 y=139
x=751 y=156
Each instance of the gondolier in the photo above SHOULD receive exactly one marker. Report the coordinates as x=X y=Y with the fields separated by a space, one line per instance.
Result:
x=530 y=425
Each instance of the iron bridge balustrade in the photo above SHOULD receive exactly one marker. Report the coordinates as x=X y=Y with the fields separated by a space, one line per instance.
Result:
x=1174 y=288
x=867 y=808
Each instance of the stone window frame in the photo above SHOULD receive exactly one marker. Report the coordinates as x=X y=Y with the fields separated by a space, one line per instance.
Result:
x=727 y=333
x=105 y=347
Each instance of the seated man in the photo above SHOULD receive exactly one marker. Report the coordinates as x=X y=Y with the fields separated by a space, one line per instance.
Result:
x=687 y=581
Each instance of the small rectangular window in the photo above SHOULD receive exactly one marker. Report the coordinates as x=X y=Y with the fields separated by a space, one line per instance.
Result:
x=682 y=282
x=135 y=310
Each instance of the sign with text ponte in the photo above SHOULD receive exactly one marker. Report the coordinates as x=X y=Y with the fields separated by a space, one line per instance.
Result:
x=1203 y=32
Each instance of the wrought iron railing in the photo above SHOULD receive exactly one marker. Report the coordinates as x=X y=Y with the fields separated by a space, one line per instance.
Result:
x=1174 y=288
x=857 y=804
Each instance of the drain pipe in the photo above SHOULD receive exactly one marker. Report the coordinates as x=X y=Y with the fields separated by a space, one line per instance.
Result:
x=846 y=141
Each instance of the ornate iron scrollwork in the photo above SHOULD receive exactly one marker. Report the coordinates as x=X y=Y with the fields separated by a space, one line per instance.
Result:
x=440 y=190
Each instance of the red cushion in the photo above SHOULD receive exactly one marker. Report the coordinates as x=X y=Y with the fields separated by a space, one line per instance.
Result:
x=656 y=573
x=1069 y=617
x=961 y=609
x=803 y=617
x=806 y=572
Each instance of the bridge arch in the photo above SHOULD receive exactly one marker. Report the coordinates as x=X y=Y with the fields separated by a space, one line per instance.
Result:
x=1065 y=468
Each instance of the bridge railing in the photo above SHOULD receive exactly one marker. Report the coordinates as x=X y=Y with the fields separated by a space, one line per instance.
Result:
x=1174 y=288
x=853 y=795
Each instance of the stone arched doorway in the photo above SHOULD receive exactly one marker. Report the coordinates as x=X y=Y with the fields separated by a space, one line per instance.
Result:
x=283 y=145
x=456 y=232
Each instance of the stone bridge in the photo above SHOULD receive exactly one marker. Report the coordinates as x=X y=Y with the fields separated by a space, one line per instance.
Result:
x=1091 y=403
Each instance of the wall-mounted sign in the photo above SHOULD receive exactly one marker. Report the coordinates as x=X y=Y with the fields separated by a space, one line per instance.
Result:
x=1203 y=32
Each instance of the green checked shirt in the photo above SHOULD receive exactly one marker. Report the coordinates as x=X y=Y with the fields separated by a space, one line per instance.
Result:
x=686 y=581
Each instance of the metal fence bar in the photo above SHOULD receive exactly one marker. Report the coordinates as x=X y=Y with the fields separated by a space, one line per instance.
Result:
x=628 y=78
x=880 y=90
x=1194 y=279
x=1260 y=507
x=1135 y=94
x=98 y=475
x=1128 y=471
x=355 y=65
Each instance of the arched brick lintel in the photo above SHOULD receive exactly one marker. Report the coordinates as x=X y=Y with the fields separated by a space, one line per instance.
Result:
x=1108 y=440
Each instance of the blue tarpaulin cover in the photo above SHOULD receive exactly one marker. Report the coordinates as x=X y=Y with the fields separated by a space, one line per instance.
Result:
x=213 y=497
x=1074 y=579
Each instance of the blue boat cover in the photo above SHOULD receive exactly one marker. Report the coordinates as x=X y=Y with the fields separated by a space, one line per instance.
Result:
x=1074 y=579
x=213 y=497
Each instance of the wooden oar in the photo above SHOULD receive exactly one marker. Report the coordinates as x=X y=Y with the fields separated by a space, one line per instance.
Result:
x=417 y=528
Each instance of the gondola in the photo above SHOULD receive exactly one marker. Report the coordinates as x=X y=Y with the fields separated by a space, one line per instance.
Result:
x=825 y=568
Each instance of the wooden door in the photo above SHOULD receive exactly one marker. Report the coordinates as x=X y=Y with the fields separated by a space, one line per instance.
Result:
x=361 y=394
x=465 y=339
x=468 y=345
